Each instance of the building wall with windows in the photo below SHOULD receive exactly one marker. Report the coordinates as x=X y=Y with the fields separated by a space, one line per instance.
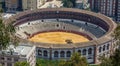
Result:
x=106 y=7
x=118 y=10
x=109 y=8
x=13 y=5
x=29 y=4
x=20 y=53
x=92 y=53
x=20 y=5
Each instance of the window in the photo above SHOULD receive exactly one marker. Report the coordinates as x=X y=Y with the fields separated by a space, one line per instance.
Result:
x=42 y=20
x=79 y=51
x=104 y=48
x=57 y=25
x=45 y=53
x=28 y=23
x=62 y=54
x=15 y=59
x=68 y=53
x=89 y=57
x=9 y=64
x=39 y=52
x=108 y=46
x=64 y=27
x=84 y=52
x=90 y=51
x=9 y=59
x=56 y=54
x=100 y=49
x=2 y=58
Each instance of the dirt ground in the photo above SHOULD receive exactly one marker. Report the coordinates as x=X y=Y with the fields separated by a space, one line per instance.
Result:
x=58 y=38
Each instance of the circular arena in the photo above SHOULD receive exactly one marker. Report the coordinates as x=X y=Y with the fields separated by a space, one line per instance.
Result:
x=59 y=32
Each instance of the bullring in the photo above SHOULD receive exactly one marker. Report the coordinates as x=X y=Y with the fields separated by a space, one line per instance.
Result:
x=94 y=26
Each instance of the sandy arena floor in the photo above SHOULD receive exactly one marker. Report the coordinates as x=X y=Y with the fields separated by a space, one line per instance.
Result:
x=58 y=37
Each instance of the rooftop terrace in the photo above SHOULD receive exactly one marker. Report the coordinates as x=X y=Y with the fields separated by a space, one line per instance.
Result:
x=19 y=50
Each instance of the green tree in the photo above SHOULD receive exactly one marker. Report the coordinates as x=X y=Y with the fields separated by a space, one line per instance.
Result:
x=116 y=58
x=73 y=2
x=117 y=32
x=105 y=61
x=7 y=34
x=69 y=3
x=78 y=60
x=1 y=10
x=22 y=63
x=75 y=60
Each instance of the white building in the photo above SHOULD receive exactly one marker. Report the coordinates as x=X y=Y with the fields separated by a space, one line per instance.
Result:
x=49 y=4
x=20 y=53
x=82 y=4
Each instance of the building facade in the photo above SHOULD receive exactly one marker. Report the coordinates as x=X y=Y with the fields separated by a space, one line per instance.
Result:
x=106 y=7
x=21 y=53
x=118 y=10
x=109 y=8
x=29 y=4
x=19 y=5
x=22 y=5
x=13 y=5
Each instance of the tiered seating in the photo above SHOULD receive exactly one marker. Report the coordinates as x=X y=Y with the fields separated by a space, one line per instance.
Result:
x=32 y=27
x=94 y=29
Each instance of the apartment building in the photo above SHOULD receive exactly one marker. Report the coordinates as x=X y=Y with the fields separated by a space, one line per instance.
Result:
x=106 y=7
x=22 y=5
x=109 y=8
x=117 y=10
x=20 y=53
x=13 y=5
x=29 y=4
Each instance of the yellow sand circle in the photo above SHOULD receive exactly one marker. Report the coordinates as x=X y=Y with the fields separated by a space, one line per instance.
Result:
x=58 y=38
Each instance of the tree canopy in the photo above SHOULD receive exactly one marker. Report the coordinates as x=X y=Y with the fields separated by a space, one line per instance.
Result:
x=22 y=63
x=7 y=35
x=69 y=3
x=75 y=60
